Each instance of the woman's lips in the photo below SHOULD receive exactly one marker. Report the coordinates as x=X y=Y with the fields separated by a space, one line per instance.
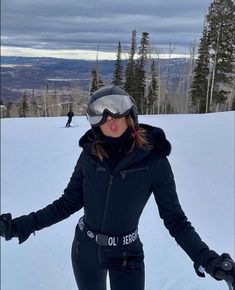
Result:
x=114 y=127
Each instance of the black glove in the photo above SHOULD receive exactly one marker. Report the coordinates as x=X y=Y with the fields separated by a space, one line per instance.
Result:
x=222 y=268
x=7 y=227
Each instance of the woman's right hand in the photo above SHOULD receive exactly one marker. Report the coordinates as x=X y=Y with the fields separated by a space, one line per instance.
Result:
x=7 y=227
x=222 y=268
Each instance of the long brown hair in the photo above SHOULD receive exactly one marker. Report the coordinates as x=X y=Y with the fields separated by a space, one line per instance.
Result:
x=139 y=140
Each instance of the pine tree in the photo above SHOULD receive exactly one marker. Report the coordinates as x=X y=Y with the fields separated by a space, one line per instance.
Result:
x=100 y=81
x=213 y=73
x=24 y=106
x=232 y=101
x=118 y=72
x=130 y=69
x=140 y=75
x=33 y=105
x=139 y=87
x=96 y=81
x=221 y=27
x=152 y=95
x=199 y=85
x=144 y=48
x=233 y=105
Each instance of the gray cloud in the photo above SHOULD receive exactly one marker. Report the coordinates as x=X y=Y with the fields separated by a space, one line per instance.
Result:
x=85 y=24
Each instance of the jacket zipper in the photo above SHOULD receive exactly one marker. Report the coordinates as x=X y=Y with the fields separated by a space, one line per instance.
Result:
x=105 y=213
x=107 y=201
x=124 y=263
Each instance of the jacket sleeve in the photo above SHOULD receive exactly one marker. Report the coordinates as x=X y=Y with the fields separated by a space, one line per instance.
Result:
x=70 y=202
x=174 y=218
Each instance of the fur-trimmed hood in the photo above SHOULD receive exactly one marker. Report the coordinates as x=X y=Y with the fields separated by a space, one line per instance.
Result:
x=154 y=135
x=157 y=138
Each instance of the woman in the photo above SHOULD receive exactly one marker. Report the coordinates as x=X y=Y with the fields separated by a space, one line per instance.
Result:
x=121 y=164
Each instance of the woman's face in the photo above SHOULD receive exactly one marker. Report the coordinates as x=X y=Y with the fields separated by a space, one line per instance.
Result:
x=114 y=127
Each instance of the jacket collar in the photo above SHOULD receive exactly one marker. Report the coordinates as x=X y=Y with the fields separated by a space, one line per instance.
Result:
x=154 y=135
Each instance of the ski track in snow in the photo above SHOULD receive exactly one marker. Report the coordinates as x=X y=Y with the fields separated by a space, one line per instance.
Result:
x=37 y=160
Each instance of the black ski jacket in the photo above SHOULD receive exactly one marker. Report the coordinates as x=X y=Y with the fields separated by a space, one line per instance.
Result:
x=70 y=115
x=113 y=200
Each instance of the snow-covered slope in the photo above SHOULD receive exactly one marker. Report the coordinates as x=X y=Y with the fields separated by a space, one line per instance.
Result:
x=37 y=158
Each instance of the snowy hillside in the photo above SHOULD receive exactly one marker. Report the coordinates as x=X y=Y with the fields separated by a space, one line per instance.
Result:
x=37 y=158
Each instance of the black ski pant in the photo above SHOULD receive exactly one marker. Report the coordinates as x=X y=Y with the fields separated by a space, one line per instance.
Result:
x=91 y=262
x=68 y=122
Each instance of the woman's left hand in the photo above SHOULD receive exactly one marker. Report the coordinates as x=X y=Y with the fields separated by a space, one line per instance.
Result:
x=222 y=268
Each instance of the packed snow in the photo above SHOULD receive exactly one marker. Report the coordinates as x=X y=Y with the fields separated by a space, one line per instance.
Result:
x=37 y=158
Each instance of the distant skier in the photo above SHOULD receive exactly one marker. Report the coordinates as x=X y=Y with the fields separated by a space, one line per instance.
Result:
x=70 y=117
x=122 y=163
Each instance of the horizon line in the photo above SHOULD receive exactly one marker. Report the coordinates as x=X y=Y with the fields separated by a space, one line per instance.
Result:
x=76 y=54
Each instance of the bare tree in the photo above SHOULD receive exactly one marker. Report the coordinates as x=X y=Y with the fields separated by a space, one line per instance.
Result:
x=3 y=110
x=33 y=106
x=45 y=98
x=192 y=62
x=179 y=102
x=148 y=79
x=171 y=48
x=159 y=82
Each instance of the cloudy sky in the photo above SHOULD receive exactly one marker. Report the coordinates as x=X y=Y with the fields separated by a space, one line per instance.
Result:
x=78 y=28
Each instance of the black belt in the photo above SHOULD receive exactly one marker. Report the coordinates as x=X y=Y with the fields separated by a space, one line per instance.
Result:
x=105 y=240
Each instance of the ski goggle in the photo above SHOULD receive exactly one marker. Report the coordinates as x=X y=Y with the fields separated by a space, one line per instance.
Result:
x=115 y=105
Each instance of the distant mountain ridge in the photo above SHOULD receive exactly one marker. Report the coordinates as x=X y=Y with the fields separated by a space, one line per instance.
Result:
x=27 y=73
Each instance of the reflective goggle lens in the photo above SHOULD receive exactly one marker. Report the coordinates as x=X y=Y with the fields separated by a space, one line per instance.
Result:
x=116 y=105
